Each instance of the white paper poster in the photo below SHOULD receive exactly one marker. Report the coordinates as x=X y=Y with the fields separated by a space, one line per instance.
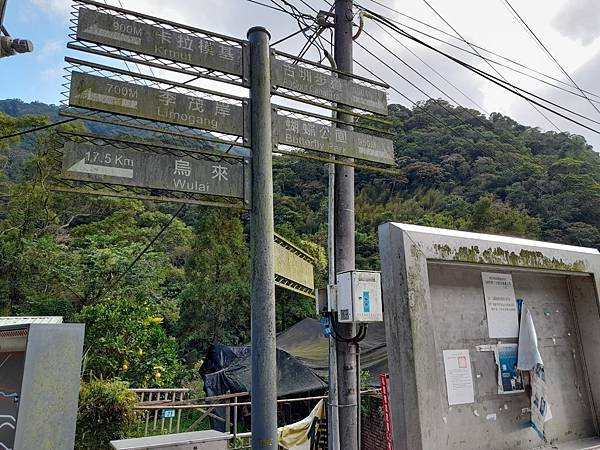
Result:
x=459 y=379
x=500 y=305
x=540 y=407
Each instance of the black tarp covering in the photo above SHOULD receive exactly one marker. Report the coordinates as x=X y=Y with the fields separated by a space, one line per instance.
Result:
x=228 y=369
x=306 y=342
x=302 y=361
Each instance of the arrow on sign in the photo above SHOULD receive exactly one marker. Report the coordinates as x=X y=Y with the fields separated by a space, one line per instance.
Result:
x=83 y=167
x=97 y=31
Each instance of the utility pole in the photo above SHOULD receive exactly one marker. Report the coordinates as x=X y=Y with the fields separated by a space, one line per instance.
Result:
x=345 y=245
x=264 y=367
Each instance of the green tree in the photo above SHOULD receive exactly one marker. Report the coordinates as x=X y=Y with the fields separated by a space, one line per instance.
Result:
x=215 y=306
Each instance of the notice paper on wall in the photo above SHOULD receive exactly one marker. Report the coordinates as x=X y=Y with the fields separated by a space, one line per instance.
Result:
x=510 y=379
x=500 y=305
x=540 y=407
x=459 y=379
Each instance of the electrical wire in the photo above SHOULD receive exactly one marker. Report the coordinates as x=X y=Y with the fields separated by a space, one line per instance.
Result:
x=505 y=85
x=500 y=64
x=433 y=69
x=418 y=106
x=541 y=44
x=107 y=290
x=418 y=73
x=486 y=61
x=33 y=130
x=267 y=6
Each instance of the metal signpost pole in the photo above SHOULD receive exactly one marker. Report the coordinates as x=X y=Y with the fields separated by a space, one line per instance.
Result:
x=345 y=245
x=264 y=369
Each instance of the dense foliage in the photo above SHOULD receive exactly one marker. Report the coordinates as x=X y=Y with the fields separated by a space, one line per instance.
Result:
x=105 y=413
x=71 y=255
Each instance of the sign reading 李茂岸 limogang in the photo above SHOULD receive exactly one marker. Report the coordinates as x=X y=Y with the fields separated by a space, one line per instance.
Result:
x=105 y=94
x=332 y=140
x=136 y=168
x=158 y=41
x=328 y=87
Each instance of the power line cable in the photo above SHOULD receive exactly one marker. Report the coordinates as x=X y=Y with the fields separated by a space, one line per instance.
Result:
x=103 y=292
x=470 y=52
x=506 y=85
x=33 y=130
x=416 y=71
x=267 y=6
x=486 y=61
x=433 y=69
x=541 y=44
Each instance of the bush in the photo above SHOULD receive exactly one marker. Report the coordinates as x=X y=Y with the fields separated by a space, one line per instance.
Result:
x=125 y=339
x=105 y=413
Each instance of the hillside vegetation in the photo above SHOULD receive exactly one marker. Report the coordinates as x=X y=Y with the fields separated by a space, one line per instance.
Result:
x=150 y=323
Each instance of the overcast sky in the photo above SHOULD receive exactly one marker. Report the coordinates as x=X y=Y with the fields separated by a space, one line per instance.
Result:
x=569 y=28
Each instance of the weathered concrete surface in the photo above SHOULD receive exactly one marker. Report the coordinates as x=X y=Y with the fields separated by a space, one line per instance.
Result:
x=433 y=299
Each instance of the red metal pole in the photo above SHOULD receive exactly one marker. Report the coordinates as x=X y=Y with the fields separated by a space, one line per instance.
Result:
x=385 y=399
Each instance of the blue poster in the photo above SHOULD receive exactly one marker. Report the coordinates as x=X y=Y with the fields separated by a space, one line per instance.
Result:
x=509 y=377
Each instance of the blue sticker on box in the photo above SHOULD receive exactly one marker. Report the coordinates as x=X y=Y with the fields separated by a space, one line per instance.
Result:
x=366 y=302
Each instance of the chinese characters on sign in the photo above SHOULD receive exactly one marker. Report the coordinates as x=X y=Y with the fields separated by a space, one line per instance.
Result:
x=139 y=168
x=328 y=87
x=104 y=94
x=179 y=46
x=500 y=305
x=328 y=139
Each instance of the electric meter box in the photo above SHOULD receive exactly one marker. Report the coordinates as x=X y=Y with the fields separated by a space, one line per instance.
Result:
x=359 y=296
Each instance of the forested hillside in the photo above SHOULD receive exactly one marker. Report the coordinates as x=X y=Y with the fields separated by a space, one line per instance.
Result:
x=149 y=323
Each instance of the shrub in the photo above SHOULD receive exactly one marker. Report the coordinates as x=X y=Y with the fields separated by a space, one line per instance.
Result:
x=105 y=413
x=125 y=339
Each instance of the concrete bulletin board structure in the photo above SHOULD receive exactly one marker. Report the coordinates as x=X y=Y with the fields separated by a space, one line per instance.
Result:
x=39 y=385
x=435 y=310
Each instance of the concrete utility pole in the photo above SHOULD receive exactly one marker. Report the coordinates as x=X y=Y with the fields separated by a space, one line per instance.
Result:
x=344 y=245
x=264 y=367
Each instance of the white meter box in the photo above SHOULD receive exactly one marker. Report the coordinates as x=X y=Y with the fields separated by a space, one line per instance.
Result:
x=359 y=296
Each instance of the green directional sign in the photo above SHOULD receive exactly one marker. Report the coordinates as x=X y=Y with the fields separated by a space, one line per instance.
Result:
x=328 y=86
x=332 y=140
x=130 y=167
x=104 y=94
x=176 y=44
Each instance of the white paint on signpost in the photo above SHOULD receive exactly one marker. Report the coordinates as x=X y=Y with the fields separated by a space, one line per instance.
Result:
x=89 y=95
x=83 y=167
x=95 y=30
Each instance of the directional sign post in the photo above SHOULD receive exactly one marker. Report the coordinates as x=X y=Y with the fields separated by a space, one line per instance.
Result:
x=263 y=72
x=336 y=141
x=136 y=168
x=328 y=87
x=159 y=41
x=130 y=99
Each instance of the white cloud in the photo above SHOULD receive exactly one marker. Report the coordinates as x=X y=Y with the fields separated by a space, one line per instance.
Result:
x=579 y=20
x=61 y=7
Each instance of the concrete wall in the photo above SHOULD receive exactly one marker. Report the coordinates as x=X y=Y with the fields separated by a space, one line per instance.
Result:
x=433 y=301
